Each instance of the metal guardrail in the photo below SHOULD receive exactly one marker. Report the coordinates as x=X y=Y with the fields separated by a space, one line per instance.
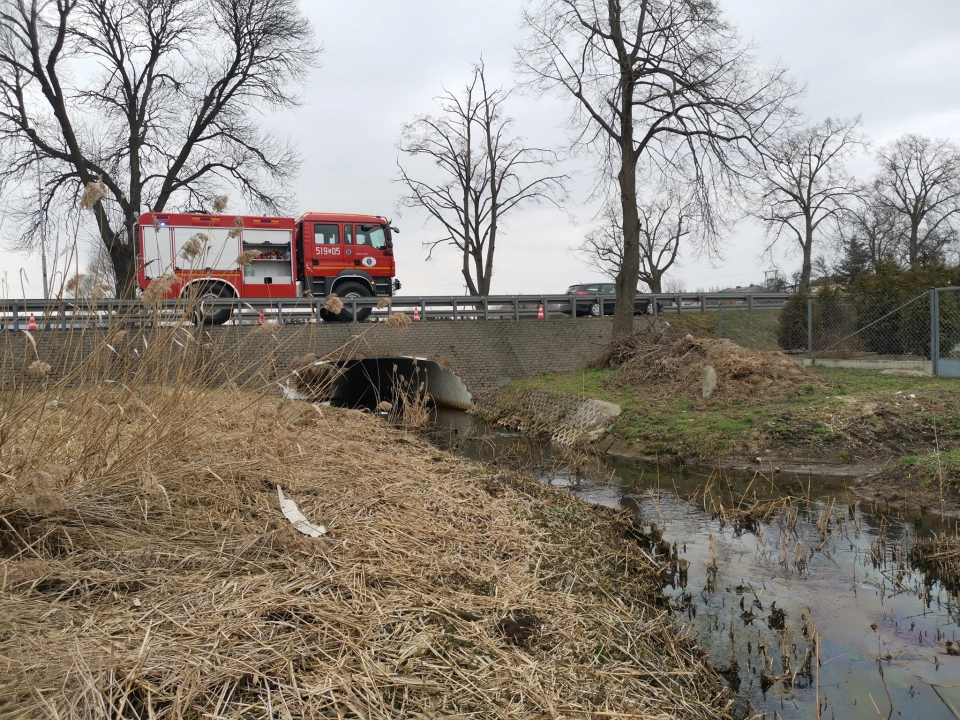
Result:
x=68 y=313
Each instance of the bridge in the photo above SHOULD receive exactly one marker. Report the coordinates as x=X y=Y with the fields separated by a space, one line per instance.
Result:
x=463 y=346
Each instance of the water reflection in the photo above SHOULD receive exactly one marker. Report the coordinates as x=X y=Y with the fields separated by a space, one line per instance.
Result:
x=810 y=608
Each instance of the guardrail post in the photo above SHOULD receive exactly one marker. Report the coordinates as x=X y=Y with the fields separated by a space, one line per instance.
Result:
x=516 y=309
x=810 y=327
x=546 y=312
x=279 y=311
x=750 y=301
x=453 y=302
x=679 y=304
x=486 y=309
x=16 y=315
x=720 y=319
x=934 y=331
x=703 y=303
x=353 y=308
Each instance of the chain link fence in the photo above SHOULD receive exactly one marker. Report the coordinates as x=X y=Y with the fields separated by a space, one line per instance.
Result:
x=894 y=326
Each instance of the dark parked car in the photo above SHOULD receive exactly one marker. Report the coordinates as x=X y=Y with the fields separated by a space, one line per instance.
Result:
x=603 y=305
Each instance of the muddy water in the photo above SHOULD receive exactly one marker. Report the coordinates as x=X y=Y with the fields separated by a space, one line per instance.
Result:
x=824 y=574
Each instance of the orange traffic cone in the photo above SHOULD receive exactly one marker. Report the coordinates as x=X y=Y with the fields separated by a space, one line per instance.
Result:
x=416 y=314
x=260 y=321
x=32 y=323
x=540 y=312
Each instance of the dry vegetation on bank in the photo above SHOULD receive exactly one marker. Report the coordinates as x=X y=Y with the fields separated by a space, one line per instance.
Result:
x=146 y=570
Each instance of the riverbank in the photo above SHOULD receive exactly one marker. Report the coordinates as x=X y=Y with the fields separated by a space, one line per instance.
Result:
x=147 y=570
x=828 y=420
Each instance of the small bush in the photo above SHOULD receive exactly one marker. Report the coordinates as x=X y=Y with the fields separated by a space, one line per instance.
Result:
x=792 y=327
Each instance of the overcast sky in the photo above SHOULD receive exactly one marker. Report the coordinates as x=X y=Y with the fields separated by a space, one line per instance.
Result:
x=896 y=64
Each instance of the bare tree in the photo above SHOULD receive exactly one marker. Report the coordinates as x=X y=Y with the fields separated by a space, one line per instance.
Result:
x=663 y=87
x=674 y=285
x=803 y=183
x=480 y=173
x=147 y=104
x=878 y=229
x=919 y=180
x=663 y=224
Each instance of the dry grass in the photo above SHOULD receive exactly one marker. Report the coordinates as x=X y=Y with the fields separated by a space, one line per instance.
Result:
x=397 y=321
x=146 y=570
x=333 y=304
x=939 y=557
x=247 y=256
x=157 y=288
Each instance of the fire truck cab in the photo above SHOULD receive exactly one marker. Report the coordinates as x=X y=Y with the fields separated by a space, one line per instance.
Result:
x=243 y=256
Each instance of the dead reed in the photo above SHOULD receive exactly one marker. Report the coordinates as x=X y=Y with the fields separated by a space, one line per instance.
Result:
x=146 y=570
x=939 y=558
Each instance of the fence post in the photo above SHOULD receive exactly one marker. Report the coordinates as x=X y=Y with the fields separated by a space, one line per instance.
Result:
x=934 y=330
x=810 y=327
x=720 y=319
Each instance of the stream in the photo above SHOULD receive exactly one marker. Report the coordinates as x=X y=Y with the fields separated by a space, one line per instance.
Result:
x=819 y=572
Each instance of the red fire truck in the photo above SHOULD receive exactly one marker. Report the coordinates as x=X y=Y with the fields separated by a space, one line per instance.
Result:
x=246 y=256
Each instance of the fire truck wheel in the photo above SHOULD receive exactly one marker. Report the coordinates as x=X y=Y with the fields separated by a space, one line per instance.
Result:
x=348 y=290
x=207 y=295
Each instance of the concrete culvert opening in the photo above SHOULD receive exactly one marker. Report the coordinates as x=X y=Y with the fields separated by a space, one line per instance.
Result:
x=370 y=382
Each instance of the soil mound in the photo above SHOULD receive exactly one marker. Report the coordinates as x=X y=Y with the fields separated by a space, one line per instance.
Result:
x=681 y=365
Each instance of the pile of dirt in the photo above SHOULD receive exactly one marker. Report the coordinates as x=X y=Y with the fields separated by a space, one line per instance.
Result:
x=680 y=367
x=147 y=570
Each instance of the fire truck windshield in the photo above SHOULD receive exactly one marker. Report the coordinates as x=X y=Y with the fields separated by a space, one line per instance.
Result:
x=371 y=235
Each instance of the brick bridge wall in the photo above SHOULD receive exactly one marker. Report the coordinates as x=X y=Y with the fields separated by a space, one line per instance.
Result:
x=485 y=354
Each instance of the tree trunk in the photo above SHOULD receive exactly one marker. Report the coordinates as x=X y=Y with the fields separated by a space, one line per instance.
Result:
x=630 y=267
x=656 y=282
x=804 y=285
x=914 y=244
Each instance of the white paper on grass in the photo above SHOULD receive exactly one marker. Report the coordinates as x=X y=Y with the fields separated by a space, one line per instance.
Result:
x=292 y=513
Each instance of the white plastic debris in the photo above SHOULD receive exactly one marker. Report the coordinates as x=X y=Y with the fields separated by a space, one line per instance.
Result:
x=292 y=513
x=911 y=396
